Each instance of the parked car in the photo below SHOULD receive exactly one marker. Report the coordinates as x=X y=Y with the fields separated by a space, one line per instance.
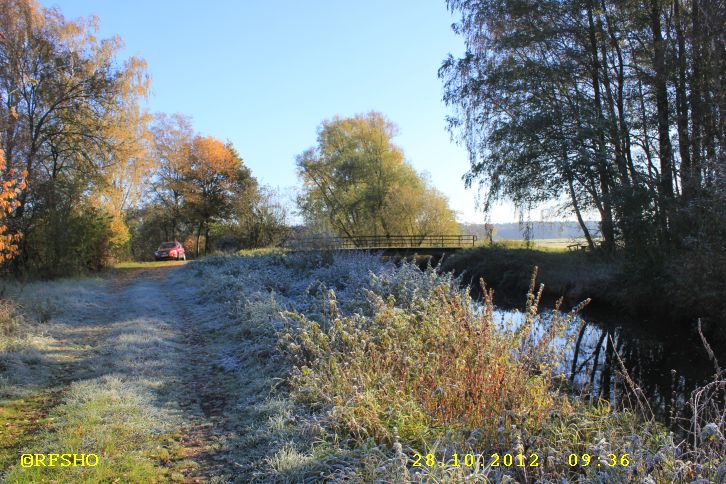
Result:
x=170 y=250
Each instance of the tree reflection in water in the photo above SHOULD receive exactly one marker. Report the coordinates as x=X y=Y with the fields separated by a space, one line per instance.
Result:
x=665 y=364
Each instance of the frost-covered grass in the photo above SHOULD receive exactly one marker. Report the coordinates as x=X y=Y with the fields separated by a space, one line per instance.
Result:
x=29 y=343
x=111 y=417
x=83 y=372
x=352 y=365
x=22 y=365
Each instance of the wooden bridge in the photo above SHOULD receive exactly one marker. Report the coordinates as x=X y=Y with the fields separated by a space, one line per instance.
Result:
x=389 y=244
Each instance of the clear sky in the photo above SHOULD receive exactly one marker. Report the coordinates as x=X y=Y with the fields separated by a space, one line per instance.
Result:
x=264 y=74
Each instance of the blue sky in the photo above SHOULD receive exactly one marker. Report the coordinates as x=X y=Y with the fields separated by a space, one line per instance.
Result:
x=265 y=74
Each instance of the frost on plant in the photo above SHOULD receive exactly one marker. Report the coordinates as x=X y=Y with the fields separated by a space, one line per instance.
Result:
x=385 y=360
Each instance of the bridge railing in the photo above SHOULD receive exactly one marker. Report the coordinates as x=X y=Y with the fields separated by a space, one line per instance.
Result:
x=382 y=242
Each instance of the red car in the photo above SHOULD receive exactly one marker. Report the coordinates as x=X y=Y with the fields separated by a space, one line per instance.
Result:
x=170 y=250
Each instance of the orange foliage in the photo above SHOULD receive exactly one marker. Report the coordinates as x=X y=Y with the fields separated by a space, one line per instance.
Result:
x=190 y=245
x=10 y=188
x=210 y=157
x=211 y=176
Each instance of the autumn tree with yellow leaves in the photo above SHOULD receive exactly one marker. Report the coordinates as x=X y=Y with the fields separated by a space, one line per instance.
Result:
x=213 y=179
x=202 y=194
x=70 y=121
x=356 y=181
x=89 y=175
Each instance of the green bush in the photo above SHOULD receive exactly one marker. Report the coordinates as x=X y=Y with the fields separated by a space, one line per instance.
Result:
x=68 y=241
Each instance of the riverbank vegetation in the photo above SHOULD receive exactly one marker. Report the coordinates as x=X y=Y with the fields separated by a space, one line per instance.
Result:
x=614 y=109
x=381 y=362
x=658 y=291
x=507 y=269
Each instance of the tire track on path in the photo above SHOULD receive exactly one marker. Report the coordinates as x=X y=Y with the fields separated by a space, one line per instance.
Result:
x=204 y=398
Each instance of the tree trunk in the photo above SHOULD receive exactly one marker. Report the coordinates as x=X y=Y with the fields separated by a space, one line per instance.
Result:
x=665 y=185
x=199 y=236
x=687 y=187
x=606 y=221
x=696 y=92
x=580 y=220
x=206 y=239
x=607 y=225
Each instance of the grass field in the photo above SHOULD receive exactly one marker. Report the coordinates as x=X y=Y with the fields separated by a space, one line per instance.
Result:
x=148 y=264
x=549 y=245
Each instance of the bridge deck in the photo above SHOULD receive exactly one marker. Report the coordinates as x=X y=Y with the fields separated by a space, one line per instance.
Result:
x=408 y=243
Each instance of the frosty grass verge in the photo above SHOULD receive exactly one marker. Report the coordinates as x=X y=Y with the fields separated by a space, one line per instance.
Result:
x=317 y=308
x=70 y=329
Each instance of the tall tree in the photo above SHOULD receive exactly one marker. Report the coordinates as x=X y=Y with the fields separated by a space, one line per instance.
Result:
x=579 y=100
x=64 y=96
x=356 y=182
x=261 y=218
x=172 y=146
x=214 y=178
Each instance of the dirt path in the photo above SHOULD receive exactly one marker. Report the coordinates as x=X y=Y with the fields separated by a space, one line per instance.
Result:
x=147 y=329
x=194 y=386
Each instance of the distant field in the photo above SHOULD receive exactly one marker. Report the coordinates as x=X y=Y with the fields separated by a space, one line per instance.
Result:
x=549 y=245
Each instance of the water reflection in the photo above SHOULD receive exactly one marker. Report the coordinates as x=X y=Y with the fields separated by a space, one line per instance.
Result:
x=666 y=365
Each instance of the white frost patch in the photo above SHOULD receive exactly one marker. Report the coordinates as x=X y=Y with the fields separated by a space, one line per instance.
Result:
x=229 y=363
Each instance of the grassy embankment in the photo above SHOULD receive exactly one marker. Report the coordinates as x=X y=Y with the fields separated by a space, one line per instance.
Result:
x=349 y=366
x=384 y=362
x=665 y=290
x=507 y=266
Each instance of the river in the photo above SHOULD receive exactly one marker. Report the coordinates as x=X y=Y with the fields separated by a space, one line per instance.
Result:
x=666 y=363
